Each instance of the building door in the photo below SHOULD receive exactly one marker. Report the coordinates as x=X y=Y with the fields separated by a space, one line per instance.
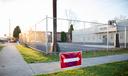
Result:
x=104 y=39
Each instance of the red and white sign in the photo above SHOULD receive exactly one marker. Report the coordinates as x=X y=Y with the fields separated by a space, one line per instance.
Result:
x=69 y=59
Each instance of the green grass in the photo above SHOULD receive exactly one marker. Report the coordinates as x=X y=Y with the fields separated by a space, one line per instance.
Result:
x=32 y=56
x=110 y=69
x=1 y=47
x=104 y=53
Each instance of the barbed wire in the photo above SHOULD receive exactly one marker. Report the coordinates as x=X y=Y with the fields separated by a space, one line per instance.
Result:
x=77 y=20
x=40 y=21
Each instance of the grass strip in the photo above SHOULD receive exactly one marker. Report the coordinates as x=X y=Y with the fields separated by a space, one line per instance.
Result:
x=1 y=47
x=33 y=56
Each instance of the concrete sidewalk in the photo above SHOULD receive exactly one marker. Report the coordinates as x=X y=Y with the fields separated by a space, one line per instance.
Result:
x=43 y=68
x=12 y=63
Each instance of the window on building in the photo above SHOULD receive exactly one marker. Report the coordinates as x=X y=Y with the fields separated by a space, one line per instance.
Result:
x=121 y=36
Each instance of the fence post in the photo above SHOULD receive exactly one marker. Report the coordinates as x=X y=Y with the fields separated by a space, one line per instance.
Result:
x=35 y=32
x=84 y=32
x=107 y=38
x=46 y=34
x=125 y=37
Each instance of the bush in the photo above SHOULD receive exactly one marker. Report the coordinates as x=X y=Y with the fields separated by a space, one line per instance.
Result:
x=63 y=37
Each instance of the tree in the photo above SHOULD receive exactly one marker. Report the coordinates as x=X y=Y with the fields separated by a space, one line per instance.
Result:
x=16 y=32
x=121 y=17
x=63 y=36
x=71 y=15
x=70 y=31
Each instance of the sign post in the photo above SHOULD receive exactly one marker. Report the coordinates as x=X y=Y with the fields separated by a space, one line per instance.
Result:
x=69 y=59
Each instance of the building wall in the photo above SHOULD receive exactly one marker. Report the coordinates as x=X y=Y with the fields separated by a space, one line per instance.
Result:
x=93 y=38
x=122 y=37
x=32 y=36
x=99 y=35
x=59 y=36
x=38 y=36
x=89 y=38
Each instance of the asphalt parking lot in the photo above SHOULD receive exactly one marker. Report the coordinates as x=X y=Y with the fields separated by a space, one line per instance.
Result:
x=68 y=47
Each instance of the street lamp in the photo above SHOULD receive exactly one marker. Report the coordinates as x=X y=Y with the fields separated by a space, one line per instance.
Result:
x=9 y=28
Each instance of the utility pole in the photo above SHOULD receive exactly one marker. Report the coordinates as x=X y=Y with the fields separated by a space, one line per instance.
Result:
x=125 y=36
x=35 y=32
x=54 y=35
x=9 y=29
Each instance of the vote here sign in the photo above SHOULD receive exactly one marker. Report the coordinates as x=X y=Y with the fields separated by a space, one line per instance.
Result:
x=69 y=59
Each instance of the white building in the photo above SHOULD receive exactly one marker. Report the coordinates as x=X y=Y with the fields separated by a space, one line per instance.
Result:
x=98 y=34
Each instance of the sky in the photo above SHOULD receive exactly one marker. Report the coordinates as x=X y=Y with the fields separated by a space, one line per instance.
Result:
x=26 y=13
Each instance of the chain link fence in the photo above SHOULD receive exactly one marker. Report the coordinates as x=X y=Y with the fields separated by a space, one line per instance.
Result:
x=85 y=36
